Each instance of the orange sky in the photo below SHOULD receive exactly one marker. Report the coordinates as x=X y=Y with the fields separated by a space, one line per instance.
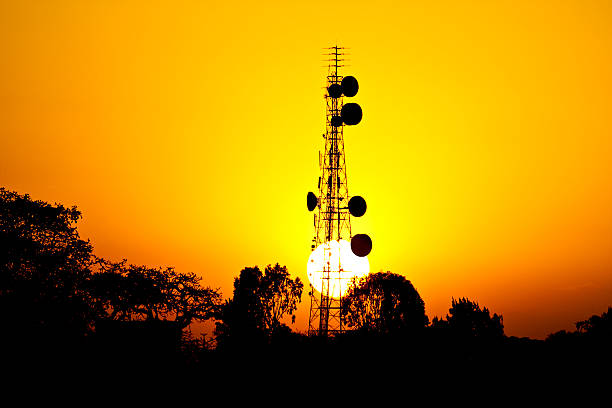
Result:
x=188 y=134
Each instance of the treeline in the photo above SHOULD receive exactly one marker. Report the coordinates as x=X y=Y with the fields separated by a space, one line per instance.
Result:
x=60 y=302
x=58 y=299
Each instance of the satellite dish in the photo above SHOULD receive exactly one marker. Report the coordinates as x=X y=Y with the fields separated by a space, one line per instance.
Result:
x=311 y=201
x=335 y=91
x=361 y=245
x=350 y=86
x=351 y=113
x=336 y=121
x=357 y=206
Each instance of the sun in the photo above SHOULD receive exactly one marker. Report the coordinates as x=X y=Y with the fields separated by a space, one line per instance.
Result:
x=344 y=266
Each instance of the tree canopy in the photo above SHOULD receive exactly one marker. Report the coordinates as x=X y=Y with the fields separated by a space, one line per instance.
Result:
x=260 y=301
x=131 y=292
x=384 y=303
x=44 y=266
x=597 y=326
x=466 y=318
x=51 y=282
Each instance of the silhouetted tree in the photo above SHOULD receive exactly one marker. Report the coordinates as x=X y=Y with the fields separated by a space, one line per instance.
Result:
x=384 y=303
x=131 y=292
x=438 y=323
x=259 y=303
x=43 y=267
x=585 y=349
x=54 y=292
x=597 y=326
x=467 y=319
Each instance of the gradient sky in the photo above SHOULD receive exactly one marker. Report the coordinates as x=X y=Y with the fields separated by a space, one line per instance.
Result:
x=187 y=132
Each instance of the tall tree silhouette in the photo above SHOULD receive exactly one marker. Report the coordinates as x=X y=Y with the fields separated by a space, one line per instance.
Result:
x=384 y=303
x=468 y=319
x=43 y=267
x=260 y=302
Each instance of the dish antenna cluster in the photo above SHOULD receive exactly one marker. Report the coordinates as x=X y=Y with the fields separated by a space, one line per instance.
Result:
x=333 y=205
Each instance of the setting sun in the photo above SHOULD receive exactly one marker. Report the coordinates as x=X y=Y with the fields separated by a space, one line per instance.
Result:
x=344 y=267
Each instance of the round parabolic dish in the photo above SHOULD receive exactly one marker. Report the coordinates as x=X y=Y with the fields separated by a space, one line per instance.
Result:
x=334 y=90
x=350 y=86
x=351 y=113
x=357 y=206
x=336 y=121
x=361 y=245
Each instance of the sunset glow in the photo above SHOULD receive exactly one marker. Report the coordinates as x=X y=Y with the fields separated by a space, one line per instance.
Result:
x=344 y=267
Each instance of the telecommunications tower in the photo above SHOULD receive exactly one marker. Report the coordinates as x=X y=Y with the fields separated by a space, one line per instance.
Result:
x=332 y=257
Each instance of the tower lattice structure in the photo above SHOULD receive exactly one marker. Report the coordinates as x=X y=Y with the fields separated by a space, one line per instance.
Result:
x=332 y=220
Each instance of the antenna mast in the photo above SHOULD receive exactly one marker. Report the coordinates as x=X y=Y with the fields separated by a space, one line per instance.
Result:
x=332 y=220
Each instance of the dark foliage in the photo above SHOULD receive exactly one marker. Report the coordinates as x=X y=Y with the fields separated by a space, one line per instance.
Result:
x=597 y=326
x=589 y=345
x=130 y=292
x=467 y=319
x=44 y=267
x=260 y=301
x=384 y=303
x=56 y=296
